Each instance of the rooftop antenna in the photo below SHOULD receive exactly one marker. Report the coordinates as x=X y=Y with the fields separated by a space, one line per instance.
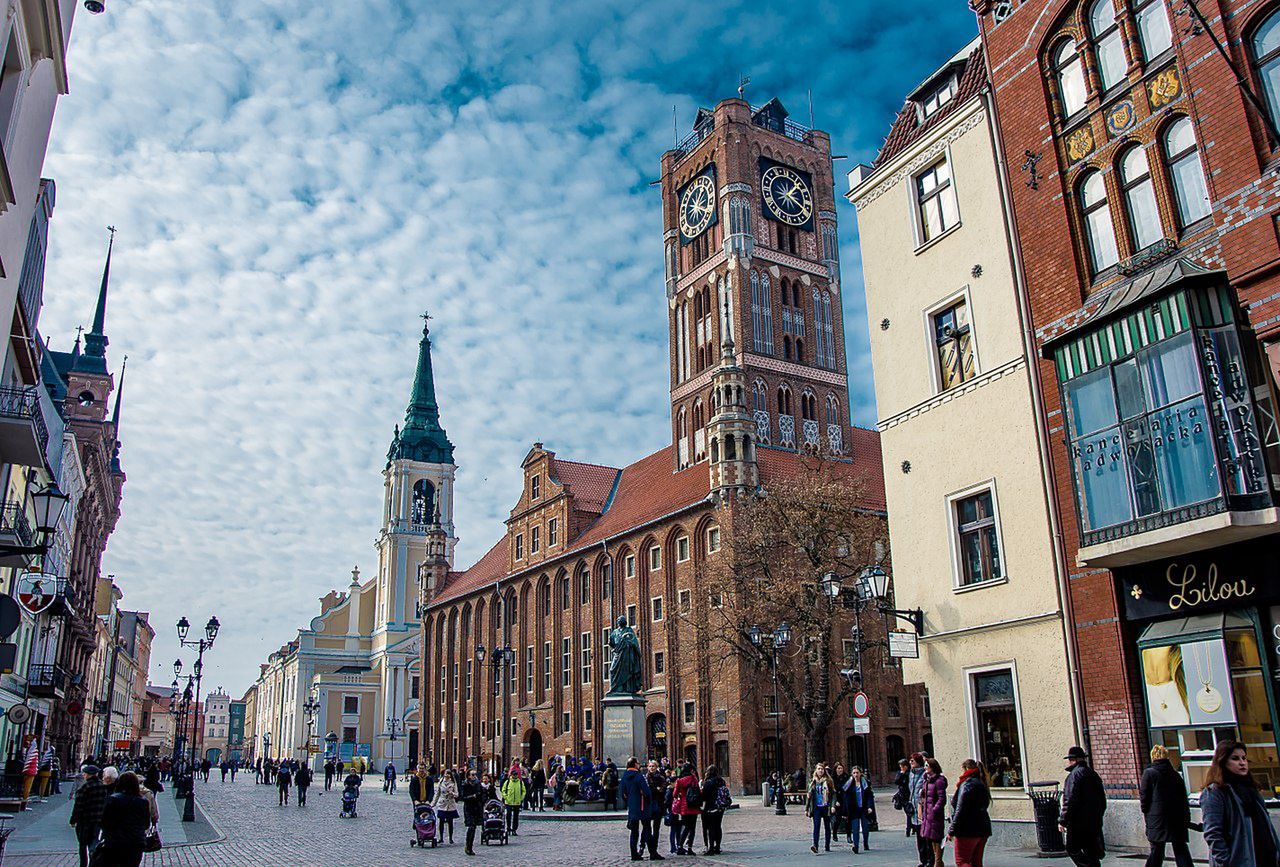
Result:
x=811 y=108
x=743 y=81
x=675 y=128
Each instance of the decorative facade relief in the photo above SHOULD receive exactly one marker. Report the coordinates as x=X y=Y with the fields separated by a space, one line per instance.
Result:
x=787 y=431
x=764 y=429
x=835 y=439
x=810 y=433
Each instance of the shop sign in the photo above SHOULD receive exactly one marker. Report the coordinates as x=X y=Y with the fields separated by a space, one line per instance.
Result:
x=1233 y=576
x=904 y=645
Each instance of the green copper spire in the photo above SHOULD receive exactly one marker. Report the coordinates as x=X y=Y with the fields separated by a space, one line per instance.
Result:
x=422 y=438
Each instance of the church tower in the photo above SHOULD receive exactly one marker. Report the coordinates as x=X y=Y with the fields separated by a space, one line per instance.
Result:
x=417 y=499
x=751 y=250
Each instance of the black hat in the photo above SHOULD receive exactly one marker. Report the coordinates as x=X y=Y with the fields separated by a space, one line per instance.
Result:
x=1076 y=754
x=91 y=770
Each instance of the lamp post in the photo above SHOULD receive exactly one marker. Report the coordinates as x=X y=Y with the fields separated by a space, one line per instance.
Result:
x=201 y=645
x=777 y=639
x=499 y=657
x=310 y=708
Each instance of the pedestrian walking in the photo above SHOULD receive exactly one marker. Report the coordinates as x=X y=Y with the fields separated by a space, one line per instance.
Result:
x=933 y=805
x=234 y=767
x=557 y=787
x=609 y=785
x=636 y=797
x=389 y=778
x=902 y=793
x=859 y=809
x=1083 y=803
x=328 y=774
x=538 y=787
x=223 y=767
x=1163 y=796
x=818 y=804
x=686 y=802
x=1237 y=831
x=422 y=788
x=126 y=817
x=970 y=817
x=472 y=798
x=86 y=812
x=657 y=781
x=205 y=767
x=839 y=815
x=283 y=780
x=302 y=782
x=514 y=791
x=446 y=804
x=916 y=792
x=715 y=800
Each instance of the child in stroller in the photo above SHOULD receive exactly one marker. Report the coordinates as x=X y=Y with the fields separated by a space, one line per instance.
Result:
x=350 y=794
x=495 y=824
x=424 y=825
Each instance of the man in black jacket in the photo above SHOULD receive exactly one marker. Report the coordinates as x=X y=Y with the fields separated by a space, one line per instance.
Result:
x=471 y=796
x=284 y=780
x=1163 y=796
x=86 y=814
x=1083 y=803
x=302 y=782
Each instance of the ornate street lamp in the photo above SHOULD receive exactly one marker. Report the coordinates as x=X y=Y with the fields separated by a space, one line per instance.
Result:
x=778 y=639
x=201 y=645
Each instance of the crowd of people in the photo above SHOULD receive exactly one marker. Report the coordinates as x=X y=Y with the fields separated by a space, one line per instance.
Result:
x=115 y=815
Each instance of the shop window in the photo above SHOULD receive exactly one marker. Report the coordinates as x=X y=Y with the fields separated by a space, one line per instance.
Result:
x=1186 y=174
x=978 y=539
x=1140 y=199
x=1140 y=438
x=1100 y=232
x=953 y=339
x=935 y=201
x=1108 y=43
x=1068 y=74
x=996 y=716
x=1153 y=28
x=1265 y=46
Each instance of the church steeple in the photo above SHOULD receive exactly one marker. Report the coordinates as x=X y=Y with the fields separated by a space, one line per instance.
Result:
x=115 y=418
x=94 y=358
x=422 y=438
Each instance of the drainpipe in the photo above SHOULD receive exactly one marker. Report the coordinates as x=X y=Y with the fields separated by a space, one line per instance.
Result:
x=1060 y=566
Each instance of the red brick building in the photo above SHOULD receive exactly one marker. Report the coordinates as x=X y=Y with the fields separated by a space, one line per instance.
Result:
x=758 y=378
x=1143 y=184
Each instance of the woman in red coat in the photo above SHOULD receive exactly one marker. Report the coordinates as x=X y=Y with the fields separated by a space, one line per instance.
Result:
x=687 y=812
x=933 y=805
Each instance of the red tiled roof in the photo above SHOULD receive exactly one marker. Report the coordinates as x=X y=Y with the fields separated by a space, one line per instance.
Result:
x=907 y=128
x=590 y=484
x=648 y=490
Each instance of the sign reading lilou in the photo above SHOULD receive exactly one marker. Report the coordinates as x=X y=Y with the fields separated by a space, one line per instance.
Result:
x=1234 y=576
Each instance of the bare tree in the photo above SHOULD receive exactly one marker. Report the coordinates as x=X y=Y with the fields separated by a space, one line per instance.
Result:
x=813 y=523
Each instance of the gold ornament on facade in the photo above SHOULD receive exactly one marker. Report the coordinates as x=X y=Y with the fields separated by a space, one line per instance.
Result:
x=1080 y=144
x=1120 y=117
x=1164 y=88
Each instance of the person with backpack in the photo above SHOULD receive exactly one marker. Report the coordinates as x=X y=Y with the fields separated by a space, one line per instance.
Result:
x=284 y=780
x=513 y=795
x=715 y=800
x=686 y=803
x=609 y=785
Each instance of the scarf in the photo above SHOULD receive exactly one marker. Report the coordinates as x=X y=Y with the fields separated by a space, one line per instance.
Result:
x=971 y=772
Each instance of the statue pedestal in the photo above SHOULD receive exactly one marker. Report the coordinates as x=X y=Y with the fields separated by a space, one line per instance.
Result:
x=624 y=733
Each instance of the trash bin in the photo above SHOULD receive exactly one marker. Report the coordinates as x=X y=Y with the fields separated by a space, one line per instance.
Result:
x=1046 y=801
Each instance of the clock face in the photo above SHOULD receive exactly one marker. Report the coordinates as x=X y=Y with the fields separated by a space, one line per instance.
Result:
x=697 y=206
x=786 y=195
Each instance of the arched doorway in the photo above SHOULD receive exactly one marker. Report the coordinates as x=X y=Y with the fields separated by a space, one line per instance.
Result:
x=533 y=746
x=658 y=736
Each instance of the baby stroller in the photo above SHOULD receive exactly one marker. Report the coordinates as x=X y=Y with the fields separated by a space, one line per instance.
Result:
x=495 y=824
x=424 y=826
x=349 y=796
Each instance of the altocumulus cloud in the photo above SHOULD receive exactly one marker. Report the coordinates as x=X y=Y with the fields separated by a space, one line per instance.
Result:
x=295 y=182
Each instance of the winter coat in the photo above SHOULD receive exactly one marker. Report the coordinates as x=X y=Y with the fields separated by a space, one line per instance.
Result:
x=90 y=799
x=473 y=801
x=1163 y=796
x=634 y=789
x=658 y=794
x=850 y=800
x=679 y=805
x=710 y=789
x=933 y=804
x=1083 y=801
x=421 y=789
x=302 y=779
x=446 y=799
x=513 y=791
x=915 y=784
x=902 y=785
x=969 y=809
x=125 y=820
x=1227 y=832
x=828 y=796
x=537 y=779
x=283 y=778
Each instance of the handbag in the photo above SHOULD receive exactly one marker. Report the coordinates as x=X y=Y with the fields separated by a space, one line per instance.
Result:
x=151 y=842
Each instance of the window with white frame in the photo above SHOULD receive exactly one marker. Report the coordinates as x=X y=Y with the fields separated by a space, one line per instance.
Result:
x=546 y=665
x=535 y=486
x=953 y=341
x=584 y=656
x=553 y=532
x=631 y=616
x=659 y=662
x=533 y=540
x=468 y=680
x=606 y=654
x=690 y=710
x=935 y=201
x=566 y=660
x=995 y=709
x=629 y=566
x=519 y=546
x=682 y=549
x=584 y=587
x=1108 y=43
x=978 y=538
x=655 y=558
x=1154 y=32
x=713 y=540
x=1265 y=48
x=939 y=96
x=1068 y=74
x=455 y=681
x=1100 y=232
x=565 y=722
x=716 y=599
x=586 y=719
x=1140 y=198
x=529 y=667
x=351 y=704
x=1186 y=174
x=656 y=604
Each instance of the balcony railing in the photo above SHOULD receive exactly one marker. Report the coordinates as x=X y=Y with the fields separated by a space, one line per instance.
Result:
x=24 y=436
x=44 y=678
x=788 y=127
x=14 y=524
x=695 y=138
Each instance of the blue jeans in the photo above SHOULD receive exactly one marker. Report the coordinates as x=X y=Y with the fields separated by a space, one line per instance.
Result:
x=820 y=821
x=863 y=824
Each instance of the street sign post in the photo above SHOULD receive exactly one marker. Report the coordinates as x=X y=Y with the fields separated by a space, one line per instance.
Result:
x=861 y=705
x=861 y=726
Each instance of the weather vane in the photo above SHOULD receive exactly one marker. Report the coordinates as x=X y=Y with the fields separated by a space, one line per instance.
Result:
x=743 y=81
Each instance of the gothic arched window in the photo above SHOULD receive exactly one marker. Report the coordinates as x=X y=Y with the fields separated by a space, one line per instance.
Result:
x=1068 y=74
x=758 y=399
x=828 y=335
x=1099 y=230
x=1186 y=172
x=423 y=507
x=1140 y=198
x=784 y=400
x=799 y=350
x=1265 y=47
x=833 y=409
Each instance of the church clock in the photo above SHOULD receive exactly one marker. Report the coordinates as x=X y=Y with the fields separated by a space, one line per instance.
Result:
x=697 y=206
x=786 y=195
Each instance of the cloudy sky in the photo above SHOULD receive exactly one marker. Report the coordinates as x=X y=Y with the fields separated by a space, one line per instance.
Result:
x=293 y=183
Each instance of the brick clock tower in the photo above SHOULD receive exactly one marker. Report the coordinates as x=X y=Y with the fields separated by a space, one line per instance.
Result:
x=752 y=275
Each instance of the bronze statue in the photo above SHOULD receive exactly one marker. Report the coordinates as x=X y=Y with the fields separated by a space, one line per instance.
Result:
x=625 y=672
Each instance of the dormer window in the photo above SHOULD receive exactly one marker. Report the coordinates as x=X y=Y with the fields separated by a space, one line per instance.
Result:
x=938 y=97
x=535 y=487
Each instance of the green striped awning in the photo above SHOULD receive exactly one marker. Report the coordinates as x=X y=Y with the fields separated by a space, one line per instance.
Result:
x=1139 y=314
